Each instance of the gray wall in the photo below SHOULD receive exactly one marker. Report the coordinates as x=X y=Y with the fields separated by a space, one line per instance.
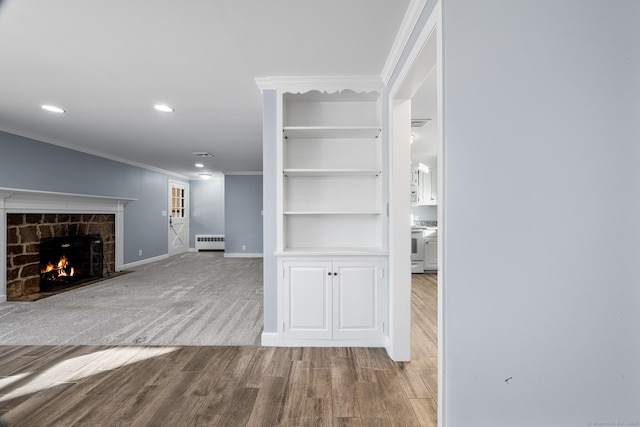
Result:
x=269 y=198
x=29 y=164
x=206 y=207
x=542 y=142
x=243 y=218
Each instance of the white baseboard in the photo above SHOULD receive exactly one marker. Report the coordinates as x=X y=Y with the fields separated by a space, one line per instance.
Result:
x=269 y=339
x=273 y=339
x=3 y=298
x=242 y=255
x=142 y=262
x=193 y=250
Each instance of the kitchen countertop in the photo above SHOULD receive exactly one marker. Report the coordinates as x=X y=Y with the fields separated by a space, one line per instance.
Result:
x=424 y=225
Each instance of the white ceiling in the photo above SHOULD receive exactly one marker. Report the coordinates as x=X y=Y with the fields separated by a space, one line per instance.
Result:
x=107 y=63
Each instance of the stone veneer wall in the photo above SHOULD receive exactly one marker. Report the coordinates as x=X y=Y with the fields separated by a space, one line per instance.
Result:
x=24 y=232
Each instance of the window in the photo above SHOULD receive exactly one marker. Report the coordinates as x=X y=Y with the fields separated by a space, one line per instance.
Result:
x=177 y=202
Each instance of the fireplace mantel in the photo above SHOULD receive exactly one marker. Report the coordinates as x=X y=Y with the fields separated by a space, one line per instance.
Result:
x=14 y=200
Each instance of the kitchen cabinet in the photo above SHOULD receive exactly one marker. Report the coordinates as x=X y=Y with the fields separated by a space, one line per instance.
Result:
x=431 y=254
x=424 y=186
x=334 y=299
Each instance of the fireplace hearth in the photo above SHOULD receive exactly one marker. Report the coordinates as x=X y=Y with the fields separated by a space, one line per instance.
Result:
x=70 y=260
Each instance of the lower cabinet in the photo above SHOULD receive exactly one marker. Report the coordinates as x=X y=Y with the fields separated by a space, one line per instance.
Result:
x=333 y=299
x=430 y=254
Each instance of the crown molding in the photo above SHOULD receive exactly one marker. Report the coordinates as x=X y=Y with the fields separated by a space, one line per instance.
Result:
x=402 y=38
x=329 y=84
x=240 y=173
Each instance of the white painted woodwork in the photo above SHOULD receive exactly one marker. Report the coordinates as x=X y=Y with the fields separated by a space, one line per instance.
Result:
x=434 y=186
x=331 y=210
x=431 y=254
x=356 y=299
x=178 y=218
x=332 y=299
x=307 y=299
x=332 y=168
x=424 y=187
x=409 y=72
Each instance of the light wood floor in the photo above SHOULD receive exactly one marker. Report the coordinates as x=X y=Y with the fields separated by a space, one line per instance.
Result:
x=225 y=386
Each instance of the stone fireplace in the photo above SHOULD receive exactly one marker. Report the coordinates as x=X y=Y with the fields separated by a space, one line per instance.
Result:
x=28 y=233
x=27 y=216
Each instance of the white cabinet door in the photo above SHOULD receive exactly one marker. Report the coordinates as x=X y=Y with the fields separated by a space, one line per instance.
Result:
x=434 y=186
x=332 y=299
x=307 y=299
x=356 y=300
x=431 y=255
x=425 y=188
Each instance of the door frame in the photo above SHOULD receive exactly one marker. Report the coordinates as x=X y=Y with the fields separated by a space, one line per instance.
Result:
x=170 y=185
x=400 y=92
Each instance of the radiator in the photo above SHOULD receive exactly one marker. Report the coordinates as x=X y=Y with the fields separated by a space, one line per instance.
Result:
x=207 y=242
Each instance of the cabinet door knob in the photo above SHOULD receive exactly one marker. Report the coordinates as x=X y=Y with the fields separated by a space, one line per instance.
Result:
x=335 y=274
x=329 y=274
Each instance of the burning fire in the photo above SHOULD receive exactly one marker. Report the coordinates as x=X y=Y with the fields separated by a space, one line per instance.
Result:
x=61 y=269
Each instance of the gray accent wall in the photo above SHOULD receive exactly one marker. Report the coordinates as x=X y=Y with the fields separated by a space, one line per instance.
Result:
x=243 y=217
x=206 y=207
x=540 y=208
x=29 y=164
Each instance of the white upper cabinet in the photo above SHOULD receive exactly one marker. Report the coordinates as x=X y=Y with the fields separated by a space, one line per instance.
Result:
x=424 y=186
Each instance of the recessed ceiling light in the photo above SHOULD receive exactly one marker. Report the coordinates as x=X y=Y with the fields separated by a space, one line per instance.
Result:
x=205 y=175
x=199 y=165
x=52 y=108
x=164 y=108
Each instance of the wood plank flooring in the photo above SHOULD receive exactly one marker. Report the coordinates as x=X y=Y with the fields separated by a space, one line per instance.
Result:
x=226 y=386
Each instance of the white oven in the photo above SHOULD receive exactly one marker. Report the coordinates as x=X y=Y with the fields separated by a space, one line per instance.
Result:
x=417 y=251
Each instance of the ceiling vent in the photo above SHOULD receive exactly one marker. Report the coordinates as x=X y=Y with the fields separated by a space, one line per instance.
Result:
x=418 y=123
x=203 y=154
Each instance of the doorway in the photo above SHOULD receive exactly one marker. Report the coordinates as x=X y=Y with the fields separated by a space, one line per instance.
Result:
x=178 y=217
x=423 y=65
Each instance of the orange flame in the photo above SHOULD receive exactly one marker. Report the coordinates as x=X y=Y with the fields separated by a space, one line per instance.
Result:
x=61 y=268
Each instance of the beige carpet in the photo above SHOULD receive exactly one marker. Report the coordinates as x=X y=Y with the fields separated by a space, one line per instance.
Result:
x=191 y=299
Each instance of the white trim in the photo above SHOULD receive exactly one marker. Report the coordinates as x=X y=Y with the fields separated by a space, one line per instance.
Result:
x=15 y=200
x=51 y=141
x=399 y=231
x=242 y=255
x=277 y=340
x=402 y=38
x=442 y=225
x=144 y=261
x=243 y=173
x=329 y=84
x=434 y=22
x=269 y=339
x=399 y=348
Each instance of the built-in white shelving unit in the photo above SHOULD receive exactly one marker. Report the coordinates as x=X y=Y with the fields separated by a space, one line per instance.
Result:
x=332 y=167
x=331 y=211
